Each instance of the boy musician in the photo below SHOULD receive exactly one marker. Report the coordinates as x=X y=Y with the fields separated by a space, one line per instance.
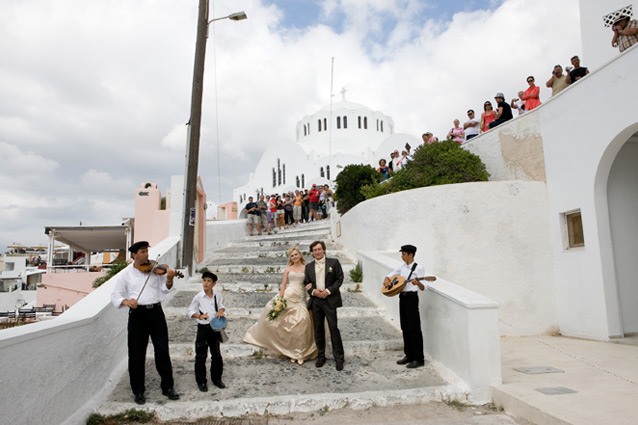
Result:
x=205 y=306
x=409 y=306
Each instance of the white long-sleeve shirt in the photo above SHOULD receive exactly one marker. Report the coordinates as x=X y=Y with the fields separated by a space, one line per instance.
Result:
x=202 y=303
x=129 y=283
x=404 y=271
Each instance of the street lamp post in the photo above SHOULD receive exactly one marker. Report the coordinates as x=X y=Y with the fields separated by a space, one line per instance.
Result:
x=192 y=152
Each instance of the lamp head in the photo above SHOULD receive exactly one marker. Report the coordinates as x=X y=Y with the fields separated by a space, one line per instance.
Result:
x=238 y=16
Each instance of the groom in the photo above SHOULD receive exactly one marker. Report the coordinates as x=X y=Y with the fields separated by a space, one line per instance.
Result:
x=323 y=278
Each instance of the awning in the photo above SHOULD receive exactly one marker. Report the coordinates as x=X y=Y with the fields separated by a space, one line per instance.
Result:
x=91 y=238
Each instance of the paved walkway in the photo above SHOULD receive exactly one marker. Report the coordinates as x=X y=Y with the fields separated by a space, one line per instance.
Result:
x=571 y=381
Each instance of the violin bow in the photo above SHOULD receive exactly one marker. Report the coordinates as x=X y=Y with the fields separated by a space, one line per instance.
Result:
x=148 y=277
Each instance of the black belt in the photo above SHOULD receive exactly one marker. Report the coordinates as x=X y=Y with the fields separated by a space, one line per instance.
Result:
x=410 y=293
x=149 y=306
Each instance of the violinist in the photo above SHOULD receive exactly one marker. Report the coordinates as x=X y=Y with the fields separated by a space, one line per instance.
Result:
x=142 y=289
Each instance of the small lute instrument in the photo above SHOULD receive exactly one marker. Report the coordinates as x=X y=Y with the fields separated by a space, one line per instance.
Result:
x=397 y=283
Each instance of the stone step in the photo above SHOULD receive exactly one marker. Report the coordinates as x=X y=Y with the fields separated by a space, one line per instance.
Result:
x=267 y=267
x=270 y=252
x=254 y=259
x=257 y=300
x=255 y=312
x=351 y=348
x=182 y=330
x=276 y=386
x=256 y=283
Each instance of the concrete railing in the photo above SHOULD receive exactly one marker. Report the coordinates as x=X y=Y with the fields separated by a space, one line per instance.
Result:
x=460 y=328
x=55 y=371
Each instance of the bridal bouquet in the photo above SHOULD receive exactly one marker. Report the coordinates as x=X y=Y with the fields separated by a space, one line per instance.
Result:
x=278 y=305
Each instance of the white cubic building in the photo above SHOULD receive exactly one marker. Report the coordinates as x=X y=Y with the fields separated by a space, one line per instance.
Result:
x=325 y=142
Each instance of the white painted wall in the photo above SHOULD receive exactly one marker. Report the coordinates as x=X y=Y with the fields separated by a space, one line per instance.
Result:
x=460 y=328
x=580 y=148
x=220 y=233
x=489 y=237
x=622 y=191
x=582 y=130
x=68 y=364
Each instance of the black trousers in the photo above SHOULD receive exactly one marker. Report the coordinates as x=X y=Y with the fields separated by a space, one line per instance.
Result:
x=321 y=310
x=411 y=326
x=288 y=217
x=207 y=338
x=142 y=323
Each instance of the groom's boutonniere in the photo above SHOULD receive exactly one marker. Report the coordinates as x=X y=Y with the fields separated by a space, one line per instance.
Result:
x=329 y=269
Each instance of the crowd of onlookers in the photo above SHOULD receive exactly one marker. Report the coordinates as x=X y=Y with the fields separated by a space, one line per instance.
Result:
x=625 y=35
x=271 y=213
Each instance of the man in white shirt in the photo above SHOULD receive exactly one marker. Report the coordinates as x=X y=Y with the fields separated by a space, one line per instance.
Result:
x=409 y=306
x=471 y=126
x=206 y=305
x=143 y=292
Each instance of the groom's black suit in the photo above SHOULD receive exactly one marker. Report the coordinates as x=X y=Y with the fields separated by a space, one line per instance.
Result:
x=326 y=307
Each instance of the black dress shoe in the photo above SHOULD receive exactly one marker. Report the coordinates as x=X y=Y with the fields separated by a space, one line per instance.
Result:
x=404 y=360
x=171 y=394
x=320 y=362
x=339 y=366
x=140 y=399
x=414 y=364
x=219 y=384
x=202 y=387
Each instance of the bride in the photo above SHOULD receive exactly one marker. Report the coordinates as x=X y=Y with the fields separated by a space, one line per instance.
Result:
x=291 y=334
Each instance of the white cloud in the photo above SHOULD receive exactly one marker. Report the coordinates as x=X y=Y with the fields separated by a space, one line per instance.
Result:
x=96 y=94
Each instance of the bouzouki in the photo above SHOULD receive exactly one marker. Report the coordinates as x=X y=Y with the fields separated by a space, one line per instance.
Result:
x=397 y=283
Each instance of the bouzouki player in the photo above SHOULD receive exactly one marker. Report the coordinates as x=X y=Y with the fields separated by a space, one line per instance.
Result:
x=409 y=306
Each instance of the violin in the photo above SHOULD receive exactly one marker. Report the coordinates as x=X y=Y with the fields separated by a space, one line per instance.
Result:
x=158 y=269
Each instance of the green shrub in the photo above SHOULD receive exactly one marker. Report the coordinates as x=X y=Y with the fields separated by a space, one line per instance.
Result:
x=349 y=183
x=115 y=269
x=356 y=274
x=439 y=163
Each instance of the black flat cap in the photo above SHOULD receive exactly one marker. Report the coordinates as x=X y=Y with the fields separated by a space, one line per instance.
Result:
x=210 y=275
x=410 y=249
x=137 y=246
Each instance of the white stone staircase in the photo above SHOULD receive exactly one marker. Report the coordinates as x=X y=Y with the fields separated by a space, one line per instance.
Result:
x=249 y=272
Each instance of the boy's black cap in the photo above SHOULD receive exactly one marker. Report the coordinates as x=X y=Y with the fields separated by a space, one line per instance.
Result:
x=410 y=249
x=210 y=275
x=137 y=246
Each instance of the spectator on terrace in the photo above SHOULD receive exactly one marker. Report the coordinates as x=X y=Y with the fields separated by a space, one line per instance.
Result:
x=519 y=103
x=456 y=133
x=558 y=80
x=503 y=112
x=471 y=126
x=625 y=33
x=383 y=169
x=532 y=95
x=577 y=72
x=314 y=202
x=431 y=138
x=296 y=209
x=397 y=161
x=305 y=209
x=288 y=210
x=487 y=116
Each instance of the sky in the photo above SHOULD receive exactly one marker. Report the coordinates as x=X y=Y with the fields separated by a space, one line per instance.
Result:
x=95 y=95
